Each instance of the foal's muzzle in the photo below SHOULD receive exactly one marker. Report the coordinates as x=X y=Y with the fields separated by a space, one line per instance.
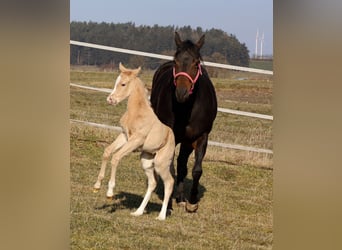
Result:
x=111 y=100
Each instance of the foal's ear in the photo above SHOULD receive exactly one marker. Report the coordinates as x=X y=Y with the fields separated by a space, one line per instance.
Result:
x=200 y=42
x=136 y=71
x=178 y=39
x=122 y=68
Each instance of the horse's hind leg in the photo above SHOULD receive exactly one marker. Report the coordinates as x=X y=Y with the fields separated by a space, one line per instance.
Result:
x=147 y=165
x=168 y=187
x=162 y=163
x=118 y=143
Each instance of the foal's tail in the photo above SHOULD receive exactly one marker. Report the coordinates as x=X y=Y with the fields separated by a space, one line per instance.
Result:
x=170 y=142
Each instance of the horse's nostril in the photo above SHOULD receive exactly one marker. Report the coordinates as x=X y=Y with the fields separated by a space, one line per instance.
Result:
x=182 y=94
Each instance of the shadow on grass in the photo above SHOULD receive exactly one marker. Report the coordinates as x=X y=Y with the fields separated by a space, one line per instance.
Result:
x=125 y=200
x=187 y=187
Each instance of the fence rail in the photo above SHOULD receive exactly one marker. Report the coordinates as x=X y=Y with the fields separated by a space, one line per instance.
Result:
x=212 y=143
x=224 y=110
x=218 y=65
x=153 y=55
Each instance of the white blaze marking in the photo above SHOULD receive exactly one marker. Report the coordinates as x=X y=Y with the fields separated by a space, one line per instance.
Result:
x=116 y=83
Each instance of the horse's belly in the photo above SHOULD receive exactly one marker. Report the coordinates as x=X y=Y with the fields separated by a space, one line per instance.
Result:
x=188 y=133
x=155 y=139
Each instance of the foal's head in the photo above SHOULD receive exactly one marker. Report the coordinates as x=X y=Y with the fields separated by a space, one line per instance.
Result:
x=187 y=66
x=123 y=85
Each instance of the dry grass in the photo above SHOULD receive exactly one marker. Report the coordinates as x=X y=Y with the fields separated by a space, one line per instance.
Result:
x=235 y=207
x=236 y=187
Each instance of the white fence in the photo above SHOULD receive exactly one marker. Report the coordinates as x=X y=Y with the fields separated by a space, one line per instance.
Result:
x=219 y=65
x=224 y=110
x=140 y=53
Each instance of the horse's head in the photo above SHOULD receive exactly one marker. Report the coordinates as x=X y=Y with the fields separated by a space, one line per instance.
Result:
x=123 y=85
x=187 y=66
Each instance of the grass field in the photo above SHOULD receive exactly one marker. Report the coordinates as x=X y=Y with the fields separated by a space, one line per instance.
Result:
x=261 y=64
x=235 y=209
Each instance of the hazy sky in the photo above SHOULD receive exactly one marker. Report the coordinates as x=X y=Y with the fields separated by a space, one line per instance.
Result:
x=239 y=17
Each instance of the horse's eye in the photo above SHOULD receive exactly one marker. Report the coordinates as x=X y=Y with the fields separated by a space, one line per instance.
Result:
x=123 y=84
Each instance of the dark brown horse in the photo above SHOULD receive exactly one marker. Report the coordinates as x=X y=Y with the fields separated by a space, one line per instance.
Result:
x=183 y=97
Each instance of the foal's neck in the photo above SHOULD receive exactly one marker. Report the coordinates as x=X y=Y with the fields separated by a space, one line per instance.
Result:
x=138 y=98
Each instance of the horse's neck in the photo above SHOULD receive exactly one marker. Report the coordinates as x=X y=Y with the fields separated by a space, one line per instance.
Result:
x=138 y=98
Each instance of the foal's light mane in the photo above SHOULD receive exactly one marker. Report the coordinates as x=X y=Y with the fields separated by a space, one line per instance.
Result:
x=138 y=94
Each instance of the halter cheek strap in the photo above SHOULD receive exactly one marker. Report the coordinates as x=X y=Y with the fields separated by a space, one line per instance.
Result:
x=193 y=81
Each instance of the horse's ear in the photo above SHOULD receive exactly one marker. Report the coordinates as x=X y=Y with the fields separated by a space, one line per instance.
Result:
x=200 y=42
x=122 y=68
x=136 y=71
x=178 y=39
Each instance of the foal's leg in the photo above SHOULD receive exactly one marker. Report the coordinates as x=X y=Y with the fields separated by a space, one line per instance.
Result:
x=147 y=165
x=118 y=143
x=200 y=150
x=182 y=170
x=162 y=163
x=133 y=143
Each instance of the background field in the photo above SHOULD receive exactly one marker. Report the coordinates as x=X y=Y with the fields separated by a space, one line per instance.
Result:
x=236 y=186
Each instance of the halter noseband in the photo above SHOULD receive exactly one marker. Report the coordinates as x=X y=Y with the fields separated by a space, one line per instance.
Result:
x=193 y=81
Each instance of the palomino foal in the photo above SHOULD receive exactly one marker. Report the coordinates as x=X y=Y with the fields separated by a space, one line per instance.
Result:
x=141 y=130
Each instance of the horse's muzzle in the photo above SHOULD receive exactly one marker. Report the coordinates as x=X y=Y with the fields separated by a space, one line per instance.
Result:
x=182 y=94
x=111 y=101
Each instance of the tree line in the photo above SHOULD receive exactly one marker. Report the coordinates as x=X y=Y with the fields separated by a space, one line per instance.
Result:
x=218 y=47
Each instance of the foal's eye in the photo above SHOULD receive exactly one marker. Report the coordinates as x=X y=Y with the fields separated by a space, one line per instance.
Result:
x=123 y=84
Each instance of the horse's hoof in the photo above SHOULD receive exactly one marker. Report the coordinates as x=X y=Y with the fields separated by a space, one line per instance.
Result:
x=110 y=198
x=181 y=204
x=169 y=212
x=96 y=190
x=191 y=208
x=161 y=218
x=137 y=213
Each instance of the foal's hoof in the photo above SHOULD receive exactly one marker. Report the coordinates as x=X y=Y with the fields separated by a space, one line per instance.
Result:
x=161 y=218
x=137 y=213
x=96 y=190
x=191 y=208
x=110 y=198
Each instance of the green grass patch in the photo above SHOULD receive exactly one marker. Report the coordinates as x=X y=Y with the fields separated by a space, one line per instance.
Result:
x=261 y=64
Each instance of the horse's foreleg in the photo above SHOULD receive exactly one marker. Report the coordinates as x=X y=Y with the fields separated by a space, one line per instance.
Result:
x=200 y=149
x=118 y=143
x=132 y=144
x=147 y=165
x=182 y=170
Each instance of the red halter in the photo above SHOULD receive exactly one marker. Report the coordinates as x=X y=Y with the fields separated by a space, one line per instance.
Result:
x=193 y=81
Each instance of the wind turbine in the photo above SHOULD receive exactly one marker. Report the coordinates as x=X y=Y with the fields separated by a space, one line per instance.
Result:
x=261 y=43
x=256 y=43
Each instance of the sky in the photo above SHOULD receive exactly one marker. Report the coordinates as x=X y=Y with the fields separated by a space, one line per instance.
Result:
x=241 y=18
